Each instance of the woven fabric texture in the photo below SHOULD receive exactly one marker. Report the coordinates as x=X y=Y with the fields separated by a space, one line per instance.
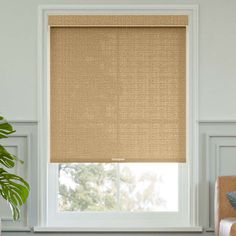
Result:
x=116 y=20
x=118 y=94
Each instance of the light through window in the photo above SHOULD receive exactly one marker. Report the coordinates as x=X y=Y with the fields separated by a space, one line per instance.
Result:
x=123 y=187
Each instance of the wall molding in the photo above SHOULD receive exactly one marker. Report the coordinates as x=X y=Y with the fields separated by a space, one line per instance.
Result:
x=225 y=120
x=21 y=150
x=23 y=121
x=213 y=166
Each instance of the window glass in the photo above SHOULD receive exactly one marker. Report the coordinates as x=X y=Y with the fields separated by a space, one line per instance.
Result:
x=124 y=187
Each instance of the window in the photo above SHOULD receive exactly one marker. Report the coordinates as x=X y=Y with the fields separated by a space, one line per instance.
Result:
x=134 y=188
x=118 y=187
x=123 y=195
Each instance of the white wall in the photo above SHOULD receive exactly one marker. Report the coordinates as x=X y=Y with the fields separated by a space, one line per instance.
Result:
x=217 y=83
x=18 y=55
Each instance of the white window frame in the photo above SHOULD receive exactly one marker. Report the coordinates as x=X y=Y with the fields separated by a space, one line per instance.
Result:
x=125 y=220
x=188 y=174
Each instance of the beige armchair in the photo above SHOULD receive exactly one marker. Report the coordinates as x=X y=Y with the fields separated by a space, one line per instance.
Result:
x=225 y=215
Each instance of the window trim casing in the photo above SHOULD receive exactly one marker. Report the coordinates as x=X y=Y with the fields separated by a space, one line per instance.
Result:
x=43 y=90
x=122 y=220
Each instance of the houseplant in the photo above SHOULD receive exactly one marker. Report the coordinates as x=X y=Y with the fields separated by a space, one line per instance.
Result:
x=13 y=188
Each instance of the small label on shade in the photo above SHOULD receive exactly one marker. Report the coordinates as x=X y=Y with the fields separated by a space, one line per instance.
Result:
x=118 y=159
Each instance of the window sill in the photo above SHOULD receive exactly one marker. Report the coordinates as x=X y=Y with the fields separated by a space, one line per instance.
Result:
x=16 y=229
x=120 y=229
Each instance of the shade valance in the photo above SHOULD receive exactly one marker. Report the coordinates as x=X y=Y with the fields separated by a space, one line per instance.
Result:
x=117 y=21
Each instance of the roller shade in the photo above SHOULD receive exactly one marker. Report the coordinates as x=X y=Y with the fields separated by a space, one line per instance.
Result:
x=117 y=88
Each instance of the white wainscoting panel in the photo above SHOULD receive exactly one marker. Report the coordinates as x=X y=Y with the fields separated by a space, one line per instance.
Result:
x=22 y=143
x=217 y=143
x=217 y=156
x=227 y=159
x=221 y=160
x=18 y=145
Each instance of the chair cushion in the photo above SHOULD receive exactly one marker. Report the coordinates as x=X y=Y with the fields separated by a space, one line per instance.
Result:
x=228 y=227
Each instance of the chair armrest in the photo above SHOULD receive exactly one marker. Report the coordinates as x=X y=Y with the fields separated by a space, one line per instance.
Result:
x=223 y=209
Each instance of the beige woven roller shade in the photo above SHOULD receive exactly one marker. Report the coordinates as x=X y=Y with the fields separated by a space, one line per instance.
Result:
x=118 y=93
x=118 y=21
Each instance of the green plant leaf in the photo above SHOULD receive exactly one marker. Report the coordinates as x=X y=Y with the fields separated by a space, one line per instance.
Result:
x=15 y=190
x=7 y=159
x=15 y=211
x=5 y=128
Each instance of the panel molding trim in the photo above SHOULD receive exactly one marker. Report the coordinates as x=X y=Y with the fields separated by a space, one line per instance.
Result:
x=213 y=121
x=23 y=121
x=214 y=142
x=225 y=120
x=22 y=143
